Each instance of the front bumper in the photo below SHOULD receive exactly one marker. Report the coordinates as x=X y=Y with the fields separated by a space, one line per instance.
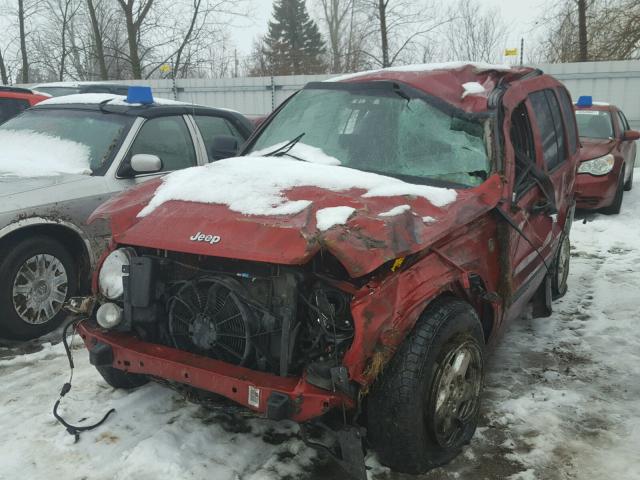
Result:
x=275 y=397
x=595 y=192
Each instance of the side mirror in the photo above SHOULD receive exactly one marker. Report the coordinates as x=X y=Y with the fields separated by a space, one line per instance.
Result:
x=223 y=146
x=145 y=163
x=631 y=135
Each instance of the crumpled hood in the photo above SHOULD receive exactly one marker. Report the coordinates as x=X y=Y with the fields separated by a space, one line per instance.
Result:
x=594 y=148
x=378 y=229
x=10 y=185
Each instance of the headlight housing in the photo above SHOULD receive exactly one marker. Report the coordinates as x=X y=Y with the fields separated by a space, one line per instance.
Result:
x=110 y=276
x=598 y=166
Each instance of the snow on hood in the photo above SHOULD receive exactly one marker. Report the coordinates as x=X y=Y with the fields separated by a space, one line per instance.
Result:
x=33 y=154
x=425 y=67
x=257 y=185
x=331 y=216
x=96 y=98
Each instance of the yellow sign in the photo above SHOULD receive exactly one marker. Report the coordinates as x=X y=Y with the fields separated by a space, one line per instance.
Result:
x=511 y=52
x=165 y=68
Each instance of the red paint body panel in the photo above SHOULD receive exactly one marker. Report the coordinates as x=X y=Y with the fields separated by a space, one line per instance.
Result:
x=231 y=381
x=32 y=98
x=364 y=243
x=447 y=84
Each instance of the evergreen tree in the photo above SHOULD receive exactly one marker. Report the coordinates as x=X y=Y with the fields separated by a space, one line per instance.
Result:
x=294 y=45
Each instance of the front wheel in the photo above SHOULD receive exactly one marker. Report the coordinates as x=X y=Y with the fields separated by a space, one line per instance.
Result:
x=120 y=379
x=616 y=206
x=425 y=406
x=37 y=276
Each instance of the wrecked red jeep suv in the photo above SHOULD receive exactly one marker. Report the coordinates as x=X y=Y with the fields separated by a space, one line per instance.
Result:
x=349 y=269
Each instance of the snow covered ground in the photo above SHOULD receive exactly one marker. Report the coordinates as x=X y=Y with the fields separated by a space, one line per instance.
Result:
x=562 y=399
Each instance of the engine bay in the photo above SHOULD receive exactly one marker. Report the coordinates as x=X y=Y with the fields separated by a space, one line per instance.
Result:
x=270 y=318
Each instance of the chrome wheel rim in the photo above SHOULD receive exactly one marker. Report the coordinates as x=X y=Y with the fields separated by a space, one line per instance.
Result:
x=456 y=393
x=40 y=289
x=563 y=263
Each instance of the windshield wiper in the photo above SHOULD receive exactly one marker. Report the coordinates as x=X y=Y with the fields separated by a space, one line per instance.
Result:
x=286 y=148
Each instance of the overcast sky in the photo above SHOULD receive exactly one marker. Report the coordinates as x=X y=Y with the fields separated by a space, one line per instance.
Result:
x=520 y=15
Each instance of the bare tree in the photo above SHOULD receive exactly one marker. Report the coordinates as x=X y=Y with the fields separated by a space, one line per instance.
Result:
x=98 y=41
x=582 y=30
x=475 y=33
x=3 y=70
x=135 y=13
x=398 y=25
x=592 y=30
x=23 y=41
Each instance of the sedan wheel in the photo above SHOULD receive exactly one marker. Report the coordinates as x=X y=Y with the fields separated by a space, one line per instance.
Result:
x=37 y=275
x=40 y=289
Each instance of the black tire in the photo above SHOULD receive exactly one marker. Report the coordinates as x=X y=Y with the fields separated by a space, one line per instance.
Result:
x=616 y=206
x=629 y=184
x=402 y=425
x=120 y=379
x=561 y=268
x=12 y=324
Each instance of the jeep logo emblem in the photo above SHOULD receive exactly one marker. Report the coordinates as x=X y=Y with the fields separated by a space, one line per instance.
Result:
x=201 y=237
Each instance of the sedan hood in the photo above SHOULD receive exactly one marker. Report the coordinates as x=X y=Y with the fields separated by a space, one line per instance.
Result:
x=361 y=230
x=595 y=147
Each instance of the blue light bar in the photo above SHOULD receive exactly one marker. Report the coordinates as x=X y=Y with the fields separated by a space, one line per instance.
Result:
x=140 y=94
x=585 y=101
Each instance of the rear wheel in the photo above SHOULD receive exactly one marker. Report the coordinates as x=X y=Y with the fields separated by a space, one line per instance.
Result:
x=561 y=268
x=120 y=379
x=37 y=276
x=424 y=407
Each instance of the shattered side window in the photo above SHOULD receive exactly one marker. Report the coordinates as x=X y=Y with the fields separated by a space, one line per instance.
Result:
x=524 y=148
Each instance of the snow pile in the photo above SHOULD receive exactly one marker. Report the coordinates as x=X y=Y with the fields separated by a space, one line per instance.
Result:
x=96 y=98
x=426 y=67
x=395 y=211
x=257 y=185
x=472 y=88
x=328 y=217
x=429 y=219
x=34 y=154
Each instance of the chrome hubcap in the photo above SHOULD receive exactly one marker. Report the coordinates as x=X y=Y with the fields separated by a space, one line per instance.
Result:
x=39 y=289
x=457 y=390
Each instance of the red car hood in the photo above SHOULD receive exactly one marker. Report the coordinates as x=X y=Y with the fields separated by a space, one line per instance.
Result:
x=365 y=242
x=595 y=147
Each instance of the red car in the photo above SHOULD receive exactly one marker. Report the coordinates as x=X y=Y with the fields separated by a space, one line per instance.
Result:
x=350 y=270
x=607 y=158
x=14 y=100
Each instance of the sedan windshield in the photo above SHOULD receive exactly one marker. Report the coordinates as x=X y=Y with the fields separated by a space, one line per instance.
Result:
x=381 y=130
x=594 y=124
x=47 y=142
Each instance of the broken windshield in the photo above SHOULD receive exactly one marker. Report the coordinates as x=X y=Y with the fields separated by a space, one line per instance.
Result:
x=378 y=130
